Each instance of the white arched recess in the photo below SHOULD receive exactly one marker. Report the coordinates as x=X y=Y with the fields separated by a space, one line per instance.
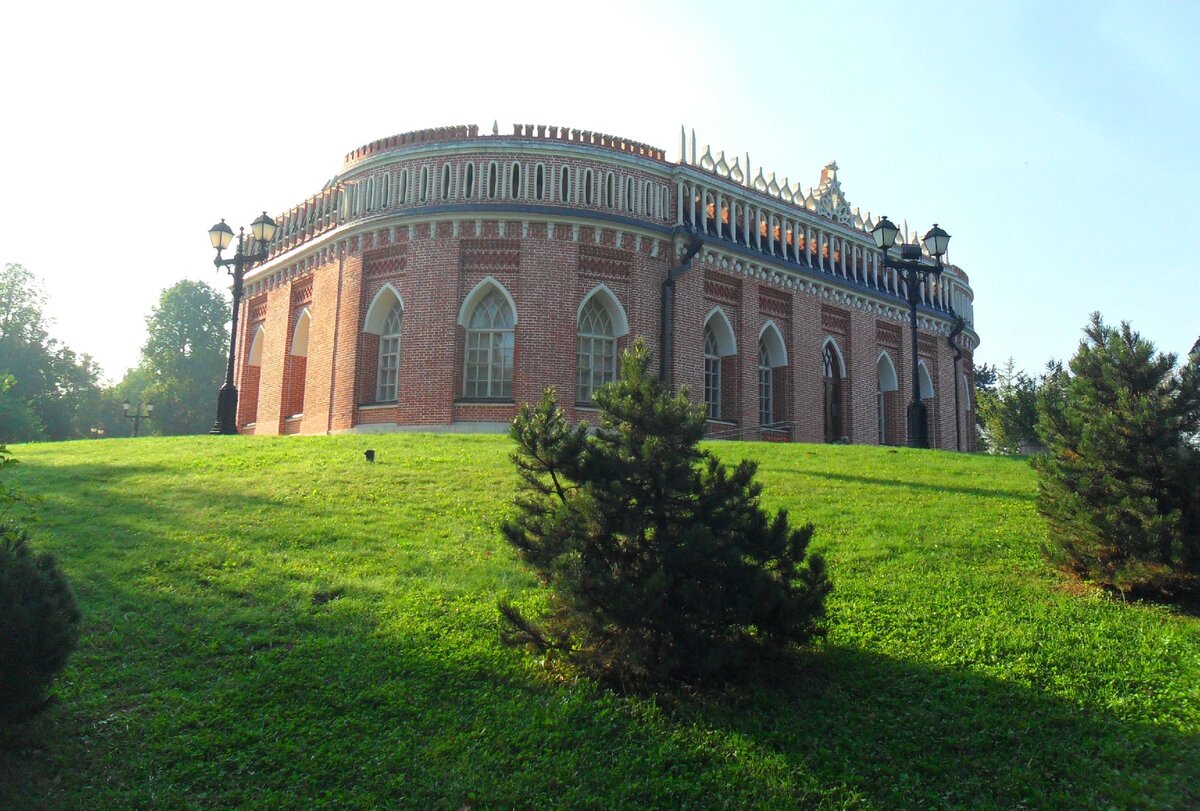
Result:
x=256 y=344
x=718 y=322
x=772 y=340
x=887 y=373
x=476 y=295
x=607 y=299
x=924 y=381
x=300 y=334
x=381 y=306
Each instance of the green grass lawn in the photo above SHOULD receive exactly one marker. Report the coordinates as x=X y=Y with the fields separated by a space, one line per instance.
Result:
x=275 y=623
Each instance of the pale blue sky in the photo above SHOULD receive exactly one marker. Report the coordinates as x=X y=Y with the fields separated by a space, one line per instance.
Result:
x=1057 y=143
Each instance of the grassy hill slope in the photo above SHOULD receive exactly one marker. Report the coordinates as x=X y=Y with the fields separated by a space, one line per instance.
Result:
x=276 y=623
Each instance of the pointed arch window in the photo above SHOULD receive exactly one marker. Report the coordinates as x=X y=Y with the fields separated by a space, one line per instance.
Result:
x=712 y=374
x=832 y=374
x=597 y=351
x=766 y=386
x=489 y=355
x=387 y=385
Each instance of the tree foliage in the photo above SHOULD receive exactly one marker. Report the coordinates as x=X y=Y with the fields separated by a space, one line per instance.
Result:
x=662 y=565
x=1006 y=408
x=1120 y=487
x=52 y=392
x=184 y=358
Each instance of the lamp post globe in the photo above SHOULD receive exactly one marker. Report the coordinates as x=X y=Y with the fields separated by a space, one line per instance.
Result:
x=884 y=233
x=936 y=242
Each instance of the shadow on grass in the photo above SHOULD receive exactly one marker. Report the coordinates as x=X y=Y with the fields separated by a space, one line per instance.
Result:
x=942 y=489
x=330 y=707
x=907 y=735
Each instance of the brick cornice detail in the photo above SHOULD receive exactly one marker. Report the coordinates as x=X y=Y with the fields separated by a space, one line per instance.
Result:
x=608 y=263
x=490 y=254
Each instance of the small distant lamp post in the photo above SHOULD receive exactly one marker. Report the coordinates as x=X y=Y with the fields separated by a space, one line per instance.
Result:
x=137 y=415
x=914 y=270
x=262 y=229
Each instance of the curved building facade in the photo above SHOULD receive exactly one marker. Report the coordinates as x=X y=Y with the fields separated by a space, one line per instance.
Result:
x=444 y=276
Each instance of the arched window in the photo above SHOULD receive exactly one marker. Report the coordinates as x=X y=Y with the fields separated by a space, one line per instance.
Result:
x=719 y=344
x=832 y=372
x=539 y=182
x=648 y=199
x=564 y=186
x=469 y=182
x=386 y=197
x=445 y=181
x=493 y=181
x=402 y=198
x=587 y=187
x=296 y=366
x=386 y=388
x=629 y=201
x=515 y=182
x=370 y=194
x=888 y=400
x=766 y=386
x=924 y=381
x=251 y=373
x=597 y=353
x=609 y=191
x=424 y=192
x=712 y=374
x=489 y=355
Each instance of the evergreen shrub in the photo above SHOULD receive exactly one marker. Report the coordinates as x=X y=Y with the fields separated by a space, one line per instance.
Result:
x=662 y=567
x=1120 y=485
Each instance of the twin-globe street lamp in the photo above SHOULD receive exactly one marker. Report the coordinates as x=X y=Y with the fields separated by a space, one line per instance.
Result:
x=138 y=414
x=262 y=229
x=914 y=270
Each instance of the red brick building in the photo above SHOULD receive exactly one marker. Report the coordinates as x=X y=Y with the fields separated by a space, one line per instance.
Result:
x=445 y=276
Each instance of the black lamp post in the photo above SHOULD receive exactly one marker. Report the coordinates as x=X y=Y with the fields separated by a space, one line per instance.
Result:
x=915 y=270
x=138 y=414
x=262 y=229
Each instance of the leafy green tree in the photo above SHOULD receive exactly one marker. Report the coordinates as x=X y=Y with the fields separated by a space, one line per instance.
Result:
x=1120 y=487
x=53 y=391
x=184 y=357
x=662 y=565
x=1007 y=409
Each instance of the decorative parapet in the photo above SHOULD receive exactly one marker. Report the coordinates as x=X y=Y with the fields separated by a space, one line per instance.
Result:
x=543 y=132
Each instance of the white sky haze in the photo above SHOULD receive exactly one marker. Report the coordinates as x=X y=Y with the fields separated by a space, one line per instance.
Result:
x=1058 y=143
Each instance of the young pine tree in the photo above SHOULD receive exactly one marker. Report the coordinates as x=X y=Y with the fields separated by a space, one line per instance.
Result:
x=662 y=566
x=1120 y=486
